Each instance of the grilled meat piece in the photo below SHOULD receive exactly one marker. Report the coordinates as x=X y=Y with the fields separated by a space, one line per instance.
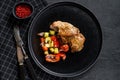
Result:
x=69 y=34
x=64 y=28
x=77 y=42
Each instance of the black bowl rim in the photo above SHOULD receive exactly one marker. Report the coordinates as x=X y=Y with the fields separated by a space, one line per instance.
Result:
x=74 y=74
x=22 y=2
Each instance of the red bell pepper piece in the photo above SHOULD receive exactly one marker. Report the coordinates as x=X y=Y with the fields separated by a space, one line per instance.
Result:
x=53 y=38
x=64 y=48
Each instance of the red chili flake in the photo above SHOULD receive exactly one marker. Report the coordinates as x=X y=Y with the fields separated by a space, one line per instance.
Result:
x=23 y=11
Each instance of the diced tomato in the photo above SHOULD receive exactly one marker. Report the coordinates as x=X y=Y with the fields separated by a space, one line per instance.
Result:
x=42 y=40
x=45 y=48
x=59 y=51
x=53 y=38
x=62 y=55
x=52 y=58
x=56 y=43
x=65 y=48
x=57 y=57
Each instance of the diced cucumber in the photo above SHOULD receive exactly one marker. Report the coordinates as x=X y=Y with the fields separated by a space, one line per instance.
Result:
x=56 y=50
x=47 y=39
x=51 y=49
x=47 y=45
x=52 y=32
x=51 y=44
x=46 y=52
x=46 y=34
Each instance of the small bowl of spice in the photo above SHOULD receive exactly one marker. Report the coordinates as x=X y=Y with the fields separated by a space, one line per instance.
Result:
x=23 y=10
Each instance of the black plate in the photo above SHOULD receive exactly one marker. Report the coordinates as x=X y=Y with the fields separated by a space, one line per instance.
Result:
x=75 y=63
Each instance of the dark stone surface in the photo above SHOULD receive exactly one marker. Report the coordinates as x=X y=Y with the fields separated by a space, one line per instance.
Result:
x=108 y=14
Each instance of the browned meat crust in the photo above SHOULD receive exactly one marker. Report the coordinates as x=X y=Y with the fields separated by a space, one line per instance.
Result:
x=69 y=34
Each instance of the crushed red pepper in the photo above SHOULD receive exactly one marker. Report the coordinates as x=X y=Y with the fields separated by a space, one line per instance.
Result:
x=23 y=11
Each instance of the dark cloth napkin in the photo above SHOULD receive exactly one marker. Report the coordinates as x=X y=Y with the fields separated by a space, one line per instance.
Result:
x=8 y=59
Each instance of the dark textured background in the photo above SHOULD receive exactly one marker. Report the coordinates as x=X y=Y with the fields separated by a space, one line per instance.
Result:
x=108 y=64
x=108 y=14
